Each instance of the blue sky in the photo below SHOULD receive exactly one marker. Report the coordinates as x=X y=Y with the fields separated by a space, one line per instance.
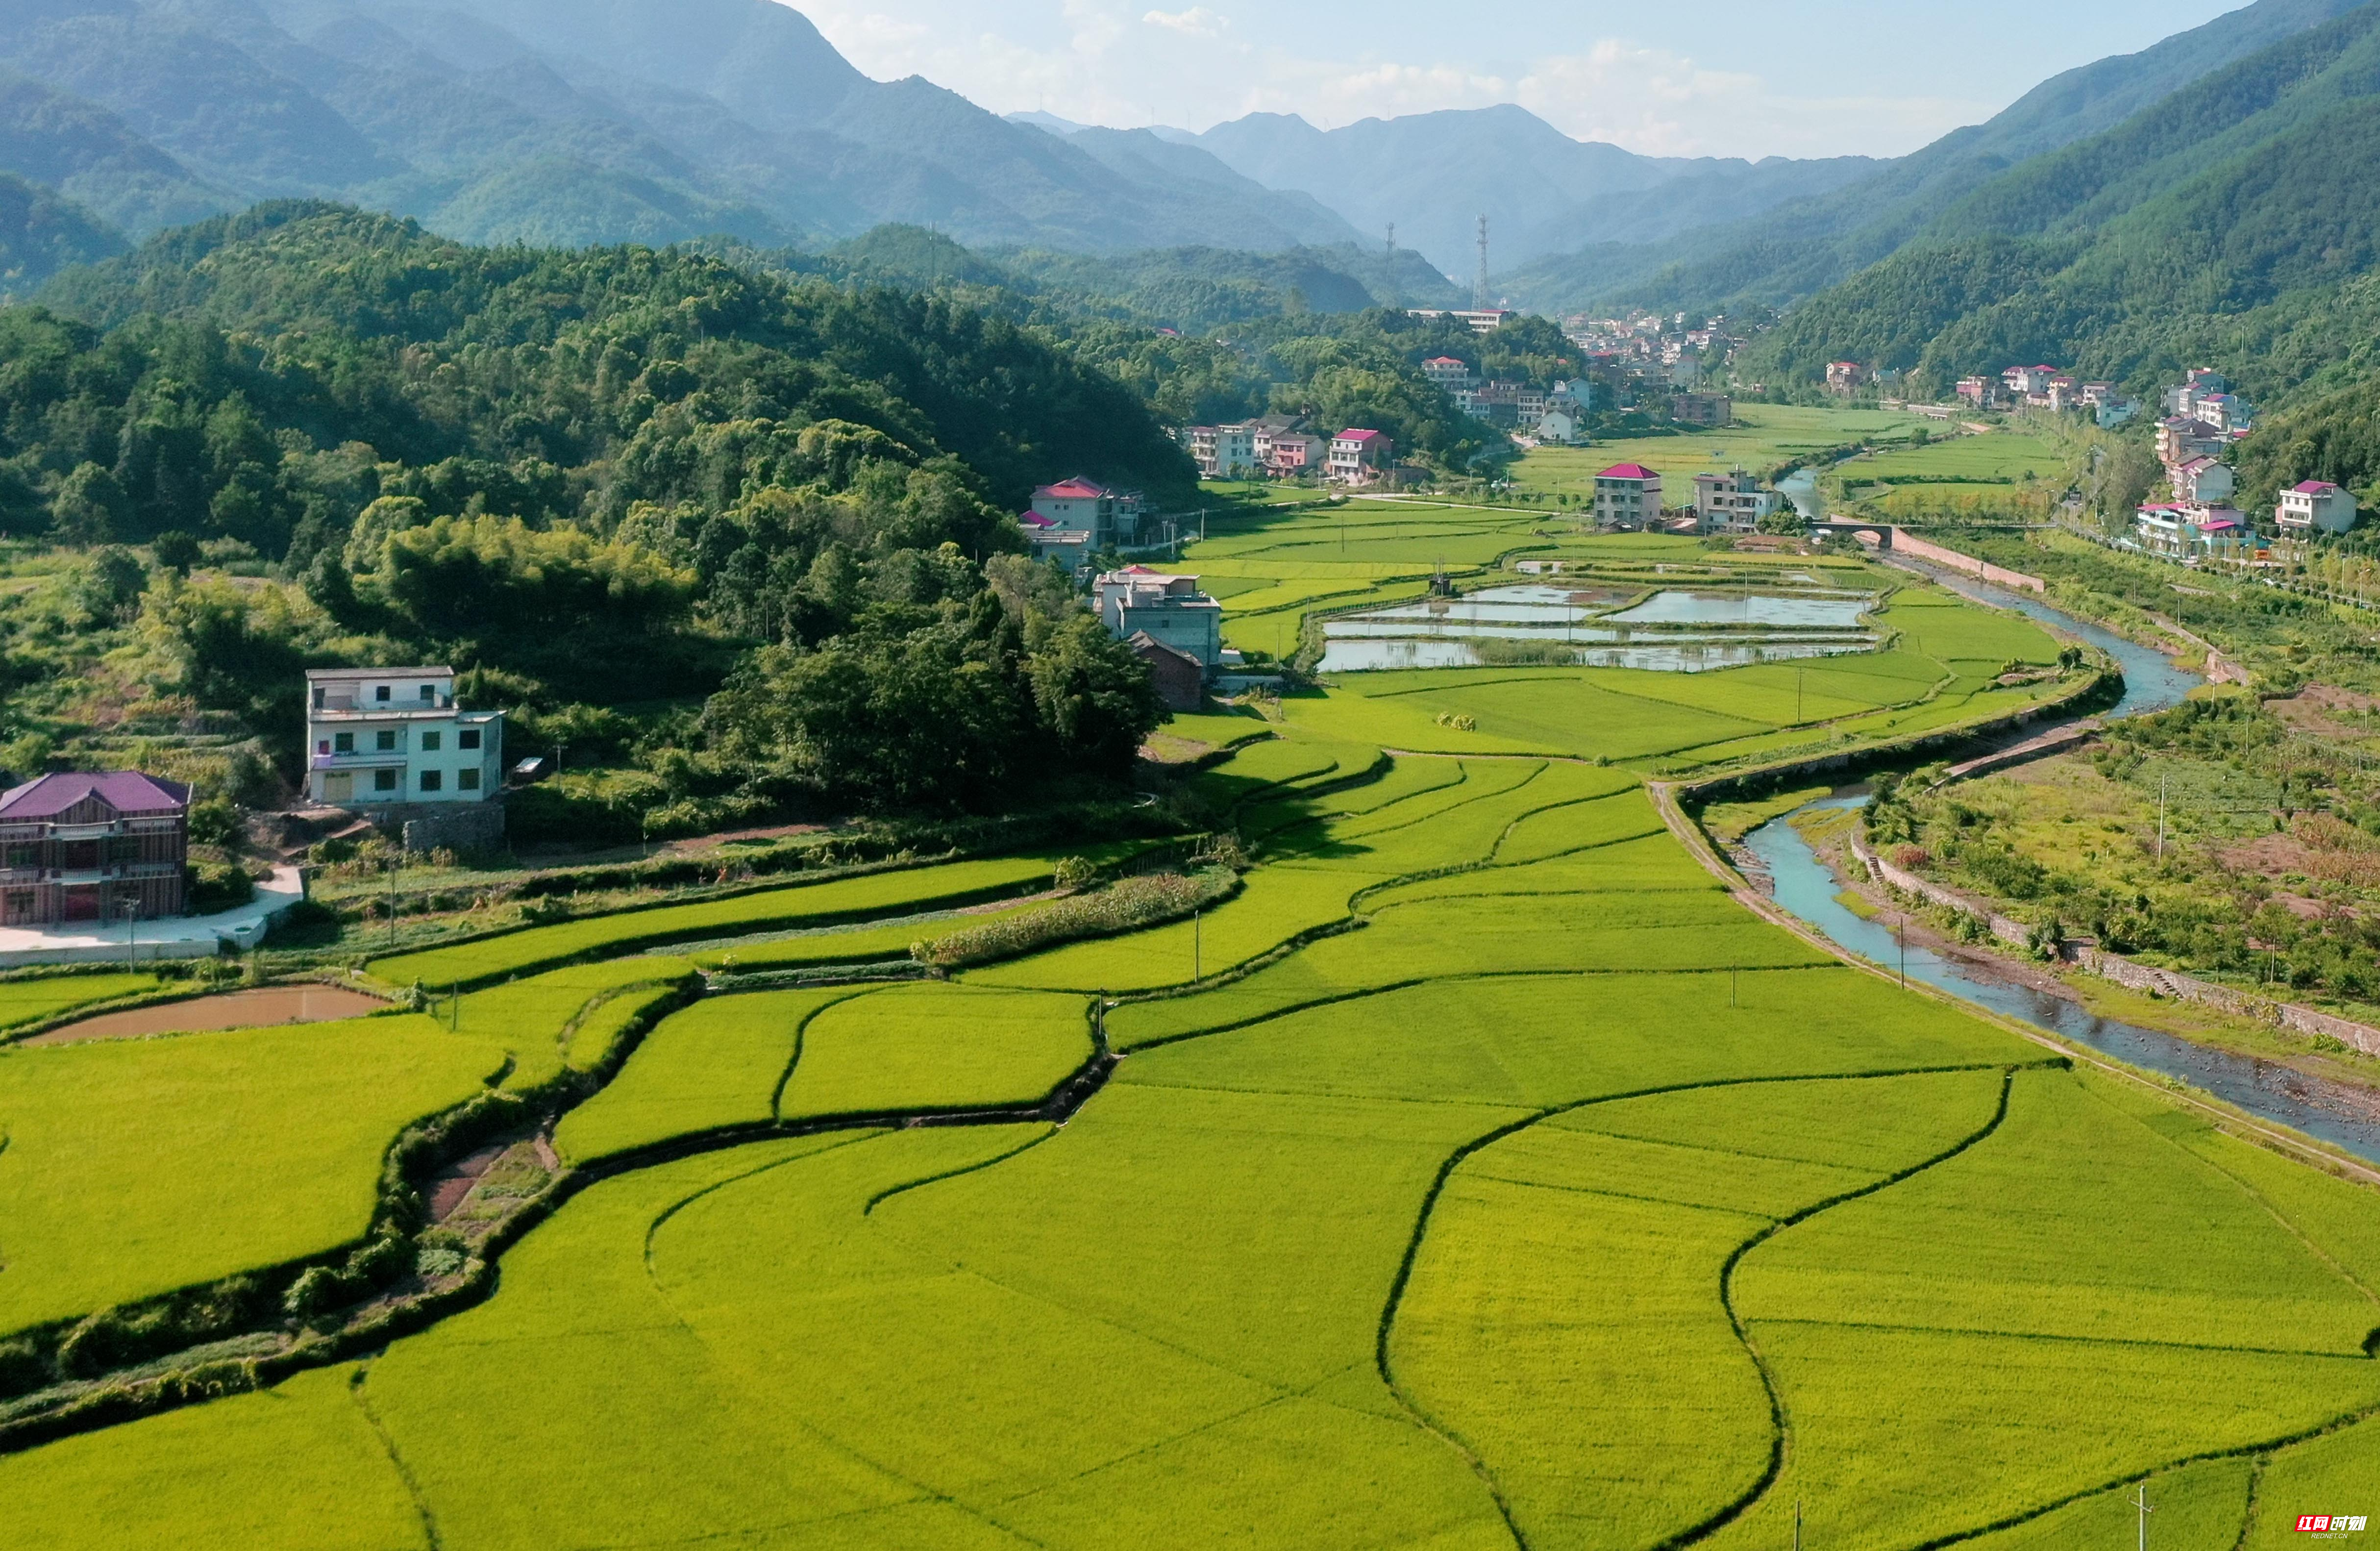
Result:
x=1736 y=77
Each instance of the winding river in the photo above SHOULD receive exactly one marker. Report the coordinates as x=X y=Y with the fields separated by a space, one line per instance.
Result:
x=2341 y=1114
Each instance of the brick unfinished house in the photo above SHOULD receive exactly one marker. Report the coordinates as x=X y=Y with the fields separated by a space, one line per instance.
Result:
x=87 y=847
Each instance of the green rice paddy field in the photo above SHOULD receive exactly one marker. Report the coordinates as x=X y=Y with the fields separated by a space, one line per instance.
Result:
x=1490 y=1177
x=1481 y=1174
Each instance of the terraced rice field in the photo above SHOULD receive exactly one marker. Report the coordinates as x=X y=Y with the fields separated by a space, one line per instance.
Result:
x=1483 y=1175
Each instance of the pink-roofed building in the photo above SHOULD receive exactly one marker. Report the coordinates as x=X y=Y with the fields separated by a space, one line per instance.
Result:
x=1074 y=518
x=2316 y=506
x=2162 y=528
x=1446 y=372
x=1845 y=376
x=1360 y=456
x=92 y=848
x=1627 y=496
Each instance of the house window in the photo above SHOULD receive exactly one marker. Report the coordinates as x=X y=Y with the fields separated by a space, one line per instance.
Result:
x=467 y=780
x=385 y=741
x=467 y=738
x=430 y=743
x=384 y=780
x=324 y=747
x=345 y=742
x=429 y=693
x=381 y=692
x=433 y=780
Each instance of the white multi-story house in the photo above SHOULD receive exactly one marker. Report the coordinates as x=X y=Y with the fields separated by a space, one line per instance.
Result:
x=1223 y=452
x=1168 y=609
x=1446 y=372
x=1359 y=457
x=2204 y=480
x=2316 y=506
x=384 y=737
x=1074 y=518
x=1559 y=426
x=1627 y=496
x=1733 y=503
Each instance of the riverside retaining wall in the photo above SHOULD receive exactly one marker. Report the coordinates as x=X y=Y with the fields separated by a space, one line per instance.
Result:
x=2117 y=968
x=1904 y=542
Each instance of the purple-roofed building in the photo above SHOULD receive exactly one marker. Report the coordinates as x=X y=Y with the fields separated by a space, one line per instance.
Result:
x=93 y=847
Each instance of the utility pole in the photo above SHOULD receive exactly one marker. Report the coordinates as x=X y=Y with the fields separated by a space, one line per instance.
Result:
x=2141 y=1501
x=1479 y=287
x=2162 y=777
x=1902 y=936
x=1197 y=944
x=1797 y=697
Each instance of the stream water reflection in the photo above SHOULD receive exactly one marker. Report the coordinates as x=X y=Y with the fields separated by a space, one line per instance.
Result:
x=2339 y=1113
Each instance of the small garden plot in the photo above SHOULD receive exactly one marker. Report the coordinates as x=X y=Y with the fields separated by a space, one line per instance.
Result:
x=136 y=1166
x=937 y=1046
x=533 y=1017
x=845 y=899
x=1275 y=905
x=718 y=1064
x=27 y=1002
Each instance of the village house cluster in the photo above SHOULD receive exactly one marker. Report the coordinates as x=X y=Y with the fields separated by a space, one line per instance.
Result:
x=1628 y=499
x=2197 y=521
x=1286 y=447
x=2045 y=387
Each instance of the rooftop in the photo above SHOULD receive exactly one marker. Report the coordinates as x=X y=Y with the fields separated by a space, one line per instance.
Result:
x=1075 y=490
x=360 y=675
x=126 y=791
x=2314 y=487
x=1627 y=471
x=1354 y=435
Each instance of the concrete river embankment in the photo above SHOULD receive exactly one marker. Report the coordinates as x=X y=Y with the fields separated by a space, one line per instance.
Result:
x=2341 y=1114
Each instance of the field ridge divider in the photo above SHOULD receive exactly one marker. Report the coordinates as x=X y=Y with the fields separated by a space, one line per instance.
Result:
x=1455 y=1160
x=1780 y=1419
x=412 y=1484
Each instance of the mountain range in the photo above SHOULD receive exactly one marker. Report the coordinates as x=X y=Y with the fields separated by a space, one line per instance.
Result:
x=1798 y=248
x=566 y=122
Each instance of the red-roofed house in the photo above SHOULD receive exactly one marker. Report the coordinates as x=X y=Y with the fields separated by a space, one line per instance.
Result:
x=1359 y=457
x=2316 y=506
x=1073 y=519
x=1627 y=496
x=1446 y=372
x=84 y=847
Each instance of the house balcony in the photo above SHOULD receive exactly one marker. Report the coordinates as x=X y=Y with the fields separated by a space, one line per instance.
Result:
x=377 y=758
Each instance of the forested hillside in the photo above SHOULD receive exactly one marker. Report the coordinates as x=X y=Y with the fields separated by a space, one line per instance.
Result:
x=2226 y=223
x=564 y=124
x=1804 y=247
x=592 y=479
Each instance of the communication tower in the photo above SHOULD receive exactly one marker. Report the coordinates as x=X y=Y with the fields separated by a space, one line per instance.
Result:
x=1479 y=287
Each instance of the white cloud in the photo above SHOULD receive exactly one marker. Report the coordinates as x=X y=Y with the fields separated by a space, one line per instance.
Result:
x=1196 y=22
x=1110 y=62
